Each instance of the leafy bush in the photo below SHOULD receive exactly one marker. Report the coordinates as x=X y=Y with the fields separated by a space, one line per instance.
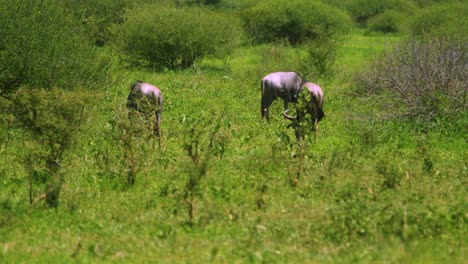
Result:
x=444 y=18
x=363 y=10
x=41 y=46
x=426 y=3
x=317 y=26
x=52 y=120
x=97 y=16
x=420 y=78
x=297 y=21
x=174 y=37
x=387 y=22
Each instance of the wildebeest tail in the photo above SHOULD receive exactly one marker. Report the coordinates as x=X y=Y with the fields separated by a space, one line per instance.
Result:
x=318 y=106
x=320 y=114
x=262 y=86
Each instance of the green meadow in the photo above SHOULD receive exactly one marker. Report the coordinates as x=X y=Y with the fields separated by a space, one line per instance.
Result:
x=225 y=186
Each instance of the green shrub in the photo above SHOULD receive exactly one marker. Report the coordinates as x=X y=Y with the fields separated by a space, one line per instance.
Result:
x=298 y=21
x=317 y=26
x=164 y=36
x=97 y=16
x=41 y=46
x=387 y=22
x=426 y=3
x=51 y=120
x=363 y=10
x=444 y=18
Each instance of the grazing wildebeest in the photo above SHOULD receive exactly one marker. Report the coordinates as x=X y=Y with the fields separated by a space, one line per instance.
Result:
x=313 y=106
x=285 y=85
x=147 y=99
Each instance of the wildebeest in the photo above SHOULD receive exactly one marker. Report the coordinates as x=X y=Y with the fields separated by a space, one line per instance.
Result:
x=147 y=99
x=312 y=106
x=285 y=85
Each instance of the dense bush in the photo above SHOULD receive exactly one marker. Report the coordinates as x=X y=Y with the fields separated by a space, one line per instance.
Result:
x=363 y=10
x=97 y=16
x=41 y=46
x=384 y=15
x=317 y=26
x=387 y=22
x=427 y=3
x=421 y=78
x=164 y=36
x=51 y=119
x=444 y=18
x=297 y=21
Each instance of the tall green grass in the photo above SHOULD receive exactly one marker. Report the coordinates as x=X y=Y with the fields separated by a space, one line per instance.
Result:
x=370 y=191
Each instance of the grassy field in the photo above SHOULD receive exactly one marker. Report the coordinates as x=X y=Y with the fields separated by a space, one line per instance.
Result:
x=370 y=191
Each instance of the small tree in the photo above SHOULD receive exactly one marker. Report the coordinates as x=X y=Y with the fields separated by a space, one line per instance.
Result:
x=448 y=18
x=420 y=78
x=317 y=26
x=132 y=131
x=388 y=22
x=51 y=120
x=362 y=11
x=41 y=46
x=170 y=37
x=98 y=16
x=201 y=142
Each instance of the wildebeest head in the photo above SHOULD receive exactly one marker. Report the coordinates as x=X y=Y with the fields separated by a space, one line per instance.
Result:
x=147 y=99
x=310 y=103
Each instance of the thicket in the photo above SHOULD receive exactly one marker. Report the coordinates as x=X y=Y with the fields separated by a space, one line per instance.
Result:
x=49 y=121
x=389 y=21
x=42 y=46
x=97 y=16
x=296 y=21
x=172 y=37
x=422 y=78
x=363 y=10
x=316 y=26
x=445 y=19
x=427 y=3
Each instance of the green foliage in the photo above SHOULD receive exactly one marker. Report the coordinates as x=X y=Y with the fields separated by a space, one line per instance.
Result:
x=97 y=16
x=131 y=131
x=363 y=10
x=148 y=35
x=440 y=19
x=426 y=3
x=296 y=21
x=387 y=22
x=41 y=46
x=51 y=120
x=321 y=57
x=371 y=190
x=319 y=27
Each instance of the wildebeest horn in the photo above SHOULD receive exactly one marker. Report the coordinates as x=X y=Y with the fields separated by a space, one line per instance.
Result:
x=285 y=114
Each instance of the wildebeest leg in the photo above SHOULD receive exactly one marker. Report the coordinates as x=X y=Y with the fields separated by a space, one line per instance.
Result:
x=157 y=128
x=266 y=102
x=298 y=133
x=315 y=128
x=315 y=118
